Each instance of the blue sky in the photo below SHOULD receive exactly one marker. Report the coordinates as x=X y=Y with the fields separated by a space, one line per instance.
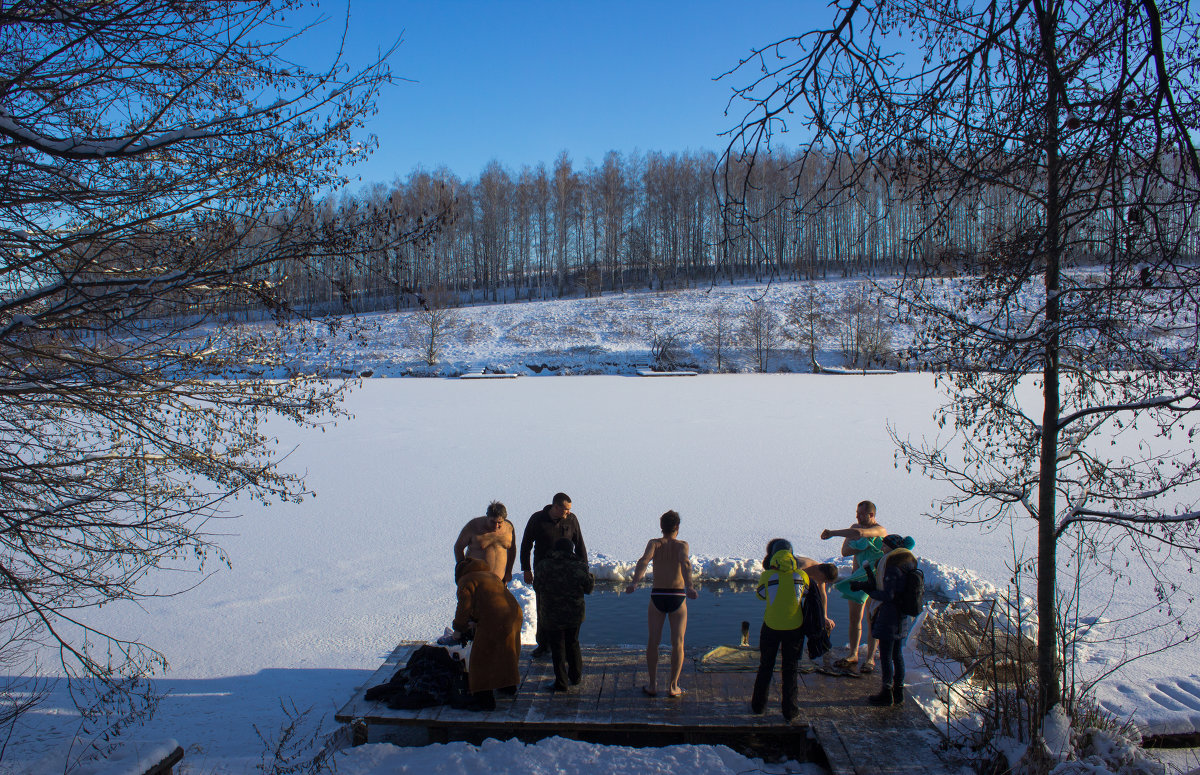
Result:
x=520 y=80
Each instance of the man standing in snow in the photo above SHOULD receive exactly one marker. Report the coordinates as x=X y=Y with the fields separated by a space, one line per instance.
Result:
x=545 y=528
x=490 y=538
x=864 y=526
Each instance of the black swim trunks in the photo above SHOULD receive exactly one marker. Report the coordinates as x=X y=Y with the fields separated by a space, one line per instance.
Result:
x=667 y=600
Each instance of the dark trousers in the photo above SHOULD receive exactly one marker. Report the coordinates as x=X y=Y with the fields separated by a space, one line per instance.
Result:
x=891 y=661
x=769 y=643
x=564 y=650
x=539 y=630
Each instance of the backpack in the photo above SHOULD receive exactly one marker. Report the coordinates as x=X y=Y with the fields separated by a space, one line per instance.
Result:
x=912 y=594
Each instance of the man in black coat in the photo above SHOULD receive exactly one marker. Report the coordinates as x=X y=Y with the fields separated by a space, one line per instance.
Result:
x=544 y=529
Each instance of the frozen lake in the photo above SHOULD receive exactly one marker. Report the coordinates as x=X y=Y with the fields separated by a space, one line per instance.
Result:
x=320 y=591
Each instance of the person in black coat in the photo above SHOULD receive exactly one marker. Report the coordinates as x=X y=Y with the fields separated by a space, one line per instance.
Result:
x=545 y=527
x=889 y=624
x=562 y=581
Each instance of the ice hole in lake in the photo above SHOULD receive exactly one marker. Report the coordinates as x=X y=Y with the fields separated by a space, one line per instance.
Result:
x=713 y=619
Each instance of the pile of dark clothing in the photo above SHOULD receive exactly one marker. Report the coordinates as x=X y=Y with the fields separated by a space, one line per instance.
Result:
x=430 y=677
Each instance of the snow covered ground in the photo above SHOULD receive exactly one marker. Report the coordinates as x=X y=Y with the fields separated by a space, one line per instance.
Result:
x=320 y=592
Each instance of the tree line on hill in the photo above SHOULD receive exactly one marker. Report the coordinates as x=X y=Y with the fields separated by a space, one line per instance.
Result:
x=650 y=221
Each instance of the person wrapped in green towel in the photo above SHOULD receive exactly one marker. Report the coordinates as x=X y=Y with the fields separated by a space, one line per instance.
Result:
x=867 y=552
x=864 y=527
x=783 y=586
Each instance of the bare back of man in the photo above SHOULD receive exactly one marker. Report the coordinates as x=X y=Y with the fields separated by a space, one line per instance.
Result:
x=667 y=563
x=672 y=565
x=490 y=540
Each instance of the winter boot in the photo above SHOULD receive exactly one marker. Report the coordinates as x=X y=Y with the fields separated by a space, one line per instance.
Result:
x=883 y=698
x=897 y=694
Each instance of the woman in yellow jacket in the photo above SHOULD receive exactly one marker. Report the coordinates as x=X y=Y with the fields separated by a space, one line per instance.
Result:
x=782 y=585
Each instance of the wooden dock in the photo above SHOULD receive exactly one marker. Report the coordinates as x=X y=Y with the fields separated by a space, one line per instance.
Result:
x=836 y=726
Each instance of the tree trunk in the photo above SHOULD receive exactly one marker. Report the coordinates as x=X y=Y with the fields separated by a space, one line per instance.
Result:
x=1049 y=689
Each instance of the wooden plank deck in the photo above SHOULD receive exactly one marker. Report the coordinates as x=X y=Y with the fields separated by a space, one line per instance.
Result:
x=609 y=706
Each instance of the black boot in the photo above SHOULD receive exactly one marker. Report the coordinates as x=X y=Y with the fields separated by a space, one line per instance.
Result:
x=897 y=694
x=883 y=698
x=482 y=702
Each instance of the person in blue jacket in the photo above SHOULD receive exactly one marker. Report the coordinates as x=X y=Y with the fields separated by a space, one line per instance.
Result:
x=782 y=584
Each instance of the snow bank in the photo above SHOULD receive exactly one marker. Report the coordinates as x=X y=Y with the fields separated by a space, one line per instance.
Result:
x=941 y=580
x=607 y=568
x=553 y=756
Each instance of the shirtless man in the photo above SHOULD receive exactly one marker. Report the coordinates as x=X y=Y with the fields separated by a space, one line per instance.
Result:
x=865 y=526
x=489 y=538
x=672 y=567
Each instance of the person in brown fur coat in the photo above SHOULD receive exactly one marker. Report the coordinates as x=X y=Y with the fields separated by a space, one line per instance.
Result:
x=488 y=611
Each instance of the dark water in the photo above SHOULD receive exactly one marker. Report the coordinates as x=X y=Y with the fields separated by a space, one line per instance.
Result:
x=714 y=618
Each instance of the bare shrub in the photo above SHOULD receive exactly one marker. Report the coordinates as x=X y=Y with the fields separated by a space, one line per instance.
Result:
x=666 y=345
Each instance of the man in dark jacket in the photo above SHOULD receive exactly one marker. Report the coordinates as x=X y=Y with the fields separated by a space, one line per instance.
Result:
x=544 y=528
x=562 y=581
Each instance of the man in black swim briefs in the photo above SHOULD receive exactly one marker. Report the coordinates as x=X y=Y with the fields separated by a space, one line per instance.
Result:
x=672 y=568
x=667 y=600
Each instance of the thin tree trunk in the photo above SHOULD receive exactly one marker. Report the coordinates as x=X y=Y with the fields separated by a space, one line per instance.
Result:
x=1048 y=673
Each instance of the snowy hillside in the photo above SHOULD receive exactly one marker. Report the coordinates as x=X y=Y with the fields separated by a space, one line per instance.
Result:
x=611 y=334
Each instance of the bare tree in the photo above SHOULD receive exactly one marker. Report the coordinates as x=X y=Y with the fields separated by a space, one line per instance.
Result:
x=718 y=335
x=431 y=326
x=863 y=331
x=807 y=321
x=565 y=193
x=760 y=331
x=155 y=159
x=666 y=344
x=1062 y=133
